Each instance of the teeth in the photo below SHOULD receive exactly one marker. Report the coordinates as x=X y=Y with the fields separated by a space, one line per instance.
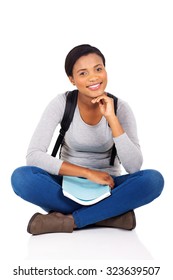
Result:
x=94 y=86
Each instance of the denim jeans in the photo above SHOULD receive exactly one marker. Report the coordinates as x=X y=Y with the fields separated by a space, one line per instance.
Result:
x=43 y=189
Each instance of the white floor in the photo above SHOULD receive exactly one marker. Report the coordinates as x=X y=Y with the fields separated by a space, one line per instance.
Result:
x=151 y=240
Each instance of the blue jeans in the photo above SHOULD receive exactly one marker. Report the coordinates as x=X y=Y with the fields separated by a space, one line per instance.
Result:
x=43 y=189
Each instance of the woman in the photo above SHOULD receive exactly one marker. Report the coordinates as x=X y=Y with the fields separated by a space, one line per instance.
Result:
x=86 y=153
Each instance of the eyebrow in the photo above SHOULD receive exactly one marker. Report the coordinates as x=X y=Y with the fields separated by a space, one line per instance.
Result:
x=86 y=68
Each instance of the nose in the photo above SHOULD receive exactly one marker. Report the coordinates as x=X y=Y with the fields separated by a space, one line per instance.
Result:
x=93 y=77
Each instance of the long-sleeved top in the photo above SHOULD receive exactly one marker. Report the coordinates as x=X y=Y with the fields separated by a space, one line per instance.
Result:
x=86 y=145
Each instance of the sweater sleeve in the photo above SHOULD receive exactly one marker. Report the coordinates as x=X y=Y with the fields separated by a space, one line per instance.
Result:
x=37 y=151
x=127 y=144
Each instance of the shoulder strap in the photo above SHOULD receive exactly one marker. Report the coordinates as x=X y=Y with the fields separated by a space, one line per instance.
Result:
x=70 y=106
x=114 y=150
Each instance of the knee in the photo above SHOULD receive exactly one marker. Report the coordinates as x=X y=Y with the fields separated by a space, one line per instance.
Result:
x=18 y=178
x=154 y=181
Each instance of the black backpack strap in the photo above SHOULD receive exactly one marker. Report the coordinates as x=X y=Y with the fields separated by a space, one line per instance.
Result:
x=71 y=101
x=114 y=150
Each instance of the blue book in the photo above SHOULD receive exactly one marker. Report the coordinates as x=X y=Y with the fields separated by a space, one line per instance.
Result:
x=84 y=191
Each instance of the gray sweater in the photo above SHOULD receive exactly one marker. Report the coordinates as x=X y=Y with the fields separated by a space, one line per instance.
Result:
x=86 y=145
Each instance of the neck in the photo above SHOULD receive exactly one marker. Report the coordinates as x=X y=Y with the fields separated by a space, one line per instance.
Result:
x=85 y=101
x=89 y=112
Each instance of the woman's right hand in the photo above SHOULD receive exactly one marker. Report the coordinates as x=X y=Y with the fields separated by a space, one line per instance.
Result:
x=100 y=177
x=96 y=176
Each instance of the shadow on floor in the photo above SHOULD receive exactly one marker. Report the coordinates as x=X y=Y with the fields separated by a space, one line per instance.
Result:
x=90 y=243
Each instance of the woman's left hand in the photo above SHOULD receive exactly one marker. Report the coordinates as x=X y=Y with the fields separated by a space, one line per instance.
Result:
x=106 y=105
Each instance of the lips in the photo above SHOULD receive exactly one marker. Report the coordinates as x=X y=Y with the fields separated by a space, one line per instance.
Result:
x=95 y=86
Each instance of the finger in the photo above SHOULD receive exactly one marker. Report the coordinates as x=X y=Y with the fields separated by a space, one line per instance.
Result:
x=101 y=102
x=99 y=98
x=111 y=183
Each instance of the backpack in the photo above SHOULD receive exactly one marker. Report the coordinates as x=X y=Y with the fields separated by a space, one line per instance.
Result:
x=71 y=102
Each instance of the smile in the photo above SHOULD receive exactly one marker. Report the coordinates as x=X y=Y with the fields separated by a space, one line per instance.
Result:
x=94 y=87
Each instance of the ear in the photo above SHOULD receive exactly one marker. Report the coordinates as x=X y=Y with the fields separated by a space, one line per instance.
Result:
x=71 y=80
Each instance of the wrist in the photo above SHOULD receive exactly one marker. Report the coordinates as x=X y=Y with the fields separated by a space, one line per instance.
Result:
x=111 y=118
x=86 y=172
x=115 y=126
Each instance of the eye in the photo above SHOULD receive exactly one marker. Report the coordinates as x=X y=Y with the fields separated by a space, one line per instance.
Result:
x=83 y=73
x=99 y=69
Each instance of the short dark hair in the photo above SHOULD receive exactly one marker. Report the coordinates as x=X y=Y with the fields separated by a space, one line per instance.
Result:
x=76 y=53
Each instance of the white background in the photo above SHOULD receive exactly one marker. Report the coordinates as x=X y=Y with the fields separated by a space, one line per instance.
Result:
x=136 y=38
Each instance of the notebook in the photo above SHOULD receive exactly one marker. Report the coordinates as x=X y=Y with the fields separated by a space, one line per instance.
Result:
x=84 y=191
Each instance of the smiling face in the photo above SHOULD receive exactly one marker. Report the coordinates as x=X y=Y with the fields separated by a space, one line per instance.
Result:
x=89 y=75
